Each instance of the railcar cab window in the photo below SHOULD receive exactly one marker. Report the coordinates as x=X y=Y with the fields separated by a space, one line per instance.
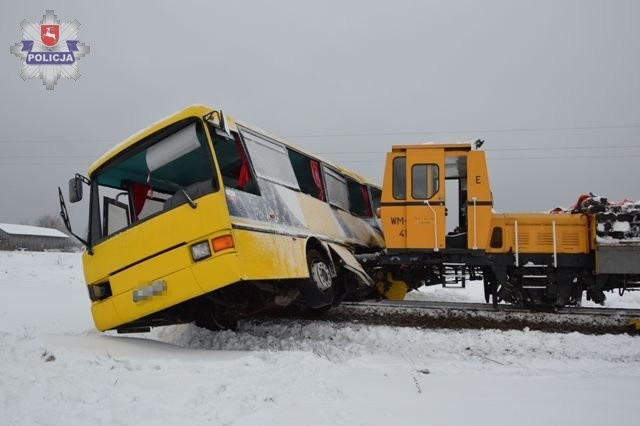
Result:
x=170 y=168
x=400 y=178
x=337 y=190
x=308 y=174
x=269 y=157
x=233 y=162
x=424 y=181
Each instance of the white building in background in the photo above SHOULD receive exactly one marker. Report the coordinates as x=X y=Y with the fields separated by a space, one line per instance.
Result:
x=34 y=238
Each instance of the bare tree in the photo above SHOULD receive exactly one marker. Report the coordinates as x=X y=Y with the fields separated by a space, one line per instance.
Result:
x=54 y=221
x=51 y=221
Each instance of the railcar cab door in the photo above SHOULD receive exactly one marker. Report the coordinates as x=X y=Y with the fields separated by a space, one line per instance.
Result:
x=425 y=205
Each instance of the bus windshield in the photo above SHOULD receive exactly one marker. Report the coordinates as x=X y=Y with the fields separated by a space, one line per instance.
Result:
x=168 y=169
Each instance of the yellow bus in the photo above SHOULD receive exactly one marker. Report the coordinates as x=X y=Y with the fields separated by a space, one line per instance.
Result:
x=203 y=218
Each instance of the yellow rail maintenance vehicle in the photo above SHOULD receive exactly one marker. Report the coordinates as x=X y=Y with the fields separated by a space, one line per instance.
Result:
x=523 y=258
x=200 y=217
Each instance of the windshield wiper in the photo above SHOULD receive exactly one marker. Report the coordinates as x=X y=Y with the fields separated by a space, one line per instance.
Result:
x=192 y=203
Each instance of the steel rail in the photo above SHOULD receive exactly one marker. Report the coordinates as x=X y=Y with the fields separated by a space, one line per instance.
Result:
x=487 y=307
x=454 y=315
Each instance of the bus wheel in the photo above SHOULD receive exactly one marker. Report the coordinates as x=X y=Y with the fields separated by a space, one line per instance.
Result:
x=209 y=318
x=318 y=290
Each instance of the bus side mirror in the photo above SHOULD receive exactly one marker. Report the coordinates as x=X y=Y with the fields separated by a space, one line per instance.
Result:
x=75 y=188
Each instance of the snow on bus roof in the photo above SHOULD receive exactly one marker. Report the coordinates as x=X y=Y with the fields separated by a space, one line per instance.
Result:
x=191 y=110
x=31 y=230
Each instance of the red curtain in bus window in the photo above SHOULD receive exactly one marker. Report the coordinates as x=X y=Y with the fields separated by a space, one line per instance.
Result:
x=139 y=192
x=365 y=196
x=317 y=178
x=244 y=175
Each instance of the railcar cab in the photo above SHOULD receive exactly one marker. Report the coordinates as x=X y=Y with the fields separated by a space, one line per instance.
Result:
x=436 y=197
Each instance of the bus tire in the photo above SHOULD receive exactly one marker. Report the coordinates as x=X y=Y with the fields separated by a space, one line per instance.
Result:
x=211 y=320
x=318 y=290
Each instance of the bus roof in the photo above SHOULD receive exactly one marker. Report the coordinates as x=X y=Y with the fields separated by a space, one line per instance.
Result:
x=197 y=110
x=350 y=173
x=190 y=111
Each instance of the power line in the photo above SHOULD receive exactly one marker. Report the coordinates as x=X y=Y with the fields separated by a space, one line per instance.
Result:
x=490 y=150
x=75 y=166
x=51 y=141
x=523 y=158
x=371 y=161
x=480 y=131
x=365 y=134
x=91 y=159
x=47 y=157
x=562 y=148
x=557 y=157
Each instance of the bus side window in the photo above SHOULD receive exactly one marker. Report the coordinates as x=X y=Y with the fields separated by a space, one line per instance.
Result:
x=359 y=202
x=269 y=158
x=337 y=189
x=308 y=174
x=234 y=163
x=116 y=215
x=376 y=195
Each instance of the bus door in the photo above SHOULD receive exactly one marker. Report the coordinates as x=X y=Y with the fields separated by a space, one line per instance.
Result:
x=425 y=207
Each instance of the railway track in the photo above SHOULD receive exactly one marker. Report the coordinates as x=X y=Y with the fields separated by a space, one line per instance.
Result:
x=424 y=314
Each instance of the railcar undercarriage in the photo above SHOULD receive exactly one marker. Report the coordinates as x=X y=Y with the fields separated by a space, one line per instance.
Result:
x=534 y=281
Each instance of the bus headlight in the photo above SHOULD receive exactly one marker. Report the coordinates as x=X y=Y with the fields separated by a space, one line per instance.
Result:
x=200 y=251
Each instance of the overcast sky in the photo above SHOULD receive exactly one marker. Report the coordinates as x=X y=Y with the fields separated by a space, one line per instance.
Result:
x=346 y=79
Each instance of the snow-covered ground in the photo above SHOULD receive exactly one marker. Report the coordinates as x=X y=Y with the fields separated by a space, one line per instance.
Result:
x=56 y=369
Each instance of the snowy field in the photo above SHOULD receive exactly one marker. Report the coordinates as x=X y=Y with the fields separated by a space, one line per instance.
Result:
x=55 y=369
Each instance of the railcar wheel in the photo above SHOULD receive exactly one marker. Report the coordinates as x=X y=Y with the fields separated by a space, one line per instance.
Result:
x=490 y=282
x=487 y=291
x=494 y=295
